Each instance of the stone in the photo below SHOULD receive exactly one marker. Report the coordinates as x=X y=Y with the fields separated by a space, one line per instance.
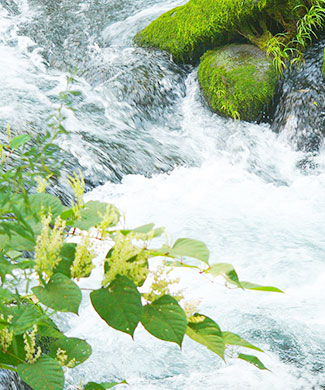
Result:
x=237 y=80
x=186 y=32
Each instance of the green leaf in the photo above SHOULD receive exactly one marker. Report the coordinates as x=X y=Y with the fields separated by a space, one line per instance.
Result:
x=6 y=268
x=206 y=332
x=6 y=367
x=119 y=305
x=47 y=202
x=24 y=317
x=67 y=255
x=75 y=348
x=19 y=240
x=227 y=271
x=253 y=286
x=6 y=296
x=103 y=385
x=220 y=269
x=23 y=263
x=60 y=294
x=66 y=214
x=75 y=93
x=92 y=214
x=144 y=228
x=45 y=329
x=13 y=254
x=16 y=353
x=45 y=374
x=234 y=339
x=19 y=141
x=252 y=360
x=165 y=319
x=191 y=248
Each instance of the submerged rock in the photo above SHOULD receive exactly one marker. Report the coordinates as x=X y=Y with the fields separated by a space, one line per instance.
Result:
x=9 y=380
x=189 y=30
x=300 y=114
x=237 y=80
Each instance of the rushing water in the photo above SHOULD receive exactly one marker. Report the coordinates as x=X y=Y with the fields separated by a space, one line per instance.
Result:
x=146 y=140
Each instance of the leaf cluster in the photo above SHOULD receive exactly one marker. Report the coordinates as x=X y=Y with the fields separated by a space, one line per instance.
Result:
x=39 y=280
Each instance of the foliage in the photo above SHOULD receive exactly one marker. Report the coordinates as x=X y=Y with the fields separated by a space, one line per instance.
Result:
x=40 y=269
x=282 y=28
x=237 y=81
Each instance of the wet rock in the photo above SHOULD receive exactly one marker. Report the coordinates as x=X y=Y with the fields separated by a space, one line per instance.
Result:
x=188 y=31
x=237 y=81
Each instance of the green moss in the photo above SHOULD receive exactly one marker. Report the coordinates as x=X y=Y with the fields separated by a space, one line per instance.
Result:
x=237 y=81
x=282 y=28
x=188 y=31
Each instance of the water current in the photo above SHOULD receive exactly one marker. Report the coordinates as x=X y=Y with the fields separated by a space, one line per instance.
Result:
x=147 y=142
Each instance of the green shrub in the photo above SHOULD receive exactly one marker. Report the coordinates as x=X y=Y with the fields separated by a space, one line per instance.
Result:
x=39 y=271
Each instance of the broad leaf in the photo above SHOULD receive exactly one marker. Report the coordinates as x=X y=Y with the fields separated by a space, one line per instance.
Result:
x=234 y=339
x=252 y=360
x=102 y=386
x=206 y=332
x=18 y=239
x=144 y=228
x=76 y=349
x=45 y=329
x=92 y=214
x=24 y=317
x=119 y=304
x=227 y=271
x=47 y=202
x=16 y=352
x=191 y=248
x=45 y=374
x=67 y=255
x=60 y=294
x=165 y=319
x=6 y=296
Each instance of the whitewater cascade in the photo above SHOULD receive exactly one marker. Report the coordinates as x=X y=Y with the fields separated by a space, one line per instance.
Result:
x=146 y=141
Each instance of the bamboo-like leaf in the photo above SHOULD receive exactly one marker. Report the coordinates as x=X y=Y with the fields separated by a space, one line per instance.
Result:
x=234 y=339
x=252 y=360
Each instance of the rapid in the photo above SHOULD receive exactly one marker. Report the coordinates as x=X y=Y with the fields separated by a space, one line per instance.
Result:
x=146 y=141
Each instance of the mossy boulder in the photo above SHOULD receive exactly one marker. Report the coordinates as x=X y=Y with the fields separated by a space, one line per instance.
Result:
x=189 y=30
x=237 y=81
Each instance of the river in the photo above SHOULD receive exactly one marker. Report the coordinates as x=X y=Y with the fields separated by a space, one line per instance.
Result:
x=146 y=141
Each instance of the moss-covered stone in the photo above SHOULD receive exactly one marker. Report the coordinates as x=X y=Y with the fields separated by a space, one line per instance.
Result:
x=237 y=80
x=282 y=28
x=188 y=31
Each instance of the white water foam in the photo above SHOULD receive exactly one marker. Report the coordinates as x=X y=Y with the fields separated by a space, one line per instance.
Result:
x=269 y=227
